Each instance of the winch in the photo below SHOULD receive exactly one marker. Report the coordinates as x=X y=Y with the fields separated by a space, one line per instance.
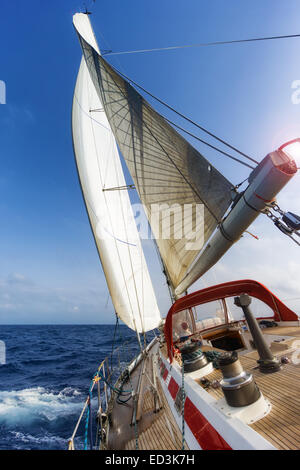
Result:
x=238 y=386
x=192 y=357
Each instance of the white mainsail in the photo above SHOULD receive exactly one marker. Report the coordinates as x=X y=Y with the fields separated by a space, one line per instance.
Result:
x=166 y=169
x=109 y=211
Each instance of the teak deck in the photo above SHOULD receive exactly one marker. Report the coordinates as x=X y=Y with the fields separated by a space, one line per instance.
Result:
x=281 y=426
x=163 y=434
x=158 y=430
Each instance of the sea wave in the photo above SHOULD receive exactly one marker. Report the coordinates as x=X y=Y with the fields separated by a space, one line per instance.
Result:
x=38 y=404
x=29 y=440
x=45 y=382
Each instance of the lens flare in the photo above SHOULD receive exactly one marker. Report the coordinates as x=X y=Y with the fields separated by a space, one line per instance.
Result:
x=292 y=150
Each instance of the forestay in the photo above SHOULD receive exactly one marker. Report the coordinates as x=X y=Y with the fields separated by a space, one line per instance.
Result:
x=110 y=212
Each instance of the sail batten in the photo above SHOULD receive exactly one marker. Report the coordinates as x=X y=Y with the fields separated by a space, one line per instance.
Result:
x=165 y=168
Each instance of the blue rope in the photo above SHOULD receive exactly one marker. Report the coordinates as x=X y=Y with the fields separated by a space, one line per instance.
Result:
x=86 y=428
x=120 y=392
x=88 y=420
x=114 y=389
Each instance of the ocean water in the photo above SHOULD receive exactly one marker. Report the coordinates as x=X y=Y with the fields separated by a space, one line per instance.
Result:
x=46 y=379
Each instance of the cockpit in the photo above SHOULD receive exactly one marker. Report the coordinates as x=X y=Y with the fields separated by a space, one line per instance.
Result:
x=205 y=318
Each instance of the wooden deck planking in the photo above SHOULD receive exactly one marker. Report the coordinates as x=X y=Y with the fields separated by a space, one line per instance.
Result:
x=282 y=425
x=283 y=330
x=153 y=428
x=157 y=436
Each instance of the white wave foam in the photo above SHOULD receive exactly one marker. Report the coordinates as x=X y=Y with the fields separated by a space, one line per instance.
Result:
x=35 y=404
x=47 y=439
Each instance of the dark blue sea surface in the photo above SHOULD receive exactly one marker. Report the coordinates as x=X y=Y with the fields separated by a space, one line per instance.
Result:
x=46 y=379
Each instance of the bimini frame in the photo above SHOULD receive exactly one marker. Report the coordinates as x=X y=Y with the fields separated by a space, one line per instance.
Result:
x=223 y=291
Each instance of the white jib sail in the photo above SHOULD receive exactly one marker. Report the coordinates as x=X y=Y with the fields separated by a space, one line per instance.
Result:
x=110 y=211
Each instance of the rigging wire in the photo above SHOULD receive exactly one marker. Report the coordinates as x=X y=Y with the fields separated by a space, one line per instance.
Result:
x=114 y=338
x=215 y=43
x=203 y=44
x=158 y=142
x=184 y=117
x=209 y=145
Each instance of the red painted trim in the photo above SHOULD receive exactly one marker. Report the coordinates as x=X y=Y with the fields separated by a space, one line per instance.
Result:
x=289 y=143
x=165 y=374
x=205 y=434
x=265 y=200
x=222 y=291
x=173 y=388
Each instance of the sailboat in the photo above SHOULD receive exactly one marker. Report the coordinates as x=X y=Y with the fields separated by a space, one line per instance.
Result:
x=201 y=382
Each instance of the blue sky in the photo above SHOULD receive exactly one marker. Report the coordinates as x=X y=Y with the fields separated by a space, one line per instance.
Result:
x=49 y=268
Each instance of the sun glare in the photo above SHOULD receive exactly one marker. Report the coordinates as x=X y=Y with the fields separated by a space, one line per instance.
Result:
x=292 y=149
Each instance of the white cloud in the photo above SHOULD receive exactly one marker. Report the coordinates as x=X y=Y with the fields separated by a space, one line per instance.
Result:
x=274 y=261
x=24 y=301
